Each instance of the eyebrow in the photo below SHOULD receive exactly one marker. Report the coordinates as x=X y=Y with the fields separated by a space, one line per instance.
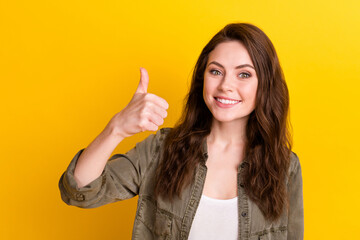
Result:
x=240 y=66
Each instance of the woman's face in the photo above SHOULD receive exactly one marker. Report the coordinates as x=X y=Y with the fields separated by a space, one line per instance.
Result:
x=230 y=82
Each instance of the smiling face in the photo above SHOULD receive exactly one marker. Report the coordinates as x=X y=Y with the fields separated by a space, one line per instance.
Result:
x=230 y=82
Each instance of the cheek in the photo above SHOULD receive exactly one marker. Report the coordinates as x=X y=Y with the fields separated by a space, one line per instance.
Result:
x=208 y=88
x=253 y=91
x=250 y=90
x=252 y=95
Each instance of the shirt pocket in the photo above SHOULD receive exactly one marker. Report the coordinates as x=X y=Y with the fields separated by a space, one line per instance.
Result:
x=279 y=233
x=157 y=221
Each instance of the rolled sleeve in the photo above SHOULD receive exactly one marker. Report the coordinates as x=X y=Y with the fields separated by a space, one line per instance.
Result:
x=120 y=179
x=296 y=208
x=71 y=194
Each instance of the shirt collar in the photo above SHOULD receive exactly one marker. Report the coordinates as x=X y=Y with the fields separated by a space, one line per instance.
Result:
x=204 y=149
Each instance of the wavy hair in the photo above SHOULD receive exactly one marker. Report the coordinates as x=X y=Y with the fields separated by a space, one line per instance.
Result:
x=269 y=141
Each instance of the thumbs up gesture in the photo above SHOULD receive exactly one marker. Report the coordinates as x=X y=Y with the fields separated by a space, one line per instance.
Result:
x=144 y=112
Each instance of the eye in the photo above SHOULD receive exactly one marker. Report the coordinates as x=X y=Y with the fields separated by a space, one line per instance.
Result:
x=244 y=75
x=215 y=72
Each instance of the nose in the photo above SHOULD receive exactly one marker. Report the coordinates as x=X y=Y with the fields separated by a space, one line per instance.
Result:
x=226 y=84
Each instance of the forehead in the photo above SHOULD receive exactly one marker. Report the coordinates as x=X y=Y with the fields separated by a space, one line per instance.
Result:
x=231 y=53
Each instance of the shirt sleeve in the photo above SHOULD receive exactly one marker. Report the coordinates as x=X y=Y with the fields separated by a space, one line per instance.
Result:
x=296 y=208
x=120 y=179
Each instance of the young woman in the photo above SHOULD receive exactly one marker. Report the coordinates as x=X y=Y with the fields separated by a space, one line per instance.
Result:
x=225 y=171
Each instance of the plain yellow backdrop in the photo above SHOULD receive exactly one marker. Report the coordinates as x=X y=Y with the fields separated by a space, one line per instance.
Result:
x=66 y=67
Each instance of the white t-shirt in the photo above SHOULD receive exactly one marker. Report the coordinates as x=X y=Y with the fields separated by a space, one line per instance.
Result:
x=215 y=219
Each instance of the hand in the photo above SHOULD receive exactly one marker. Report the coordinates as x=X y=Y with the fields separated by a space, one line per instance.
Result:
x=144 y=112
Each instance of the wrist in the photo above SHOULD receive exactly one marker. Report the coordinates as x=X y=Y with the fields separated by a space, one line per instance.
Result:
x=113 y=133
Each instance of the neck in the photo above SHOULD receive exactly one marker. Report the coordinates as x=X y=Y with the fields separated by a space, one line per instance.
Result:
x=228 y=133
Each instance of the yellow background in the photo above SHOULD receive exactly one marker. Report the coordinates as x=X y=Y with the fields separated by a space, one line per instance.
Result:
x=66 y=67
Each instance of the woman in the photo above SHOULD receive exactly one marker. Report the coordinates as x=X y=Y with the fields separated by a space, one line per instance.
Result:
x=225 y=171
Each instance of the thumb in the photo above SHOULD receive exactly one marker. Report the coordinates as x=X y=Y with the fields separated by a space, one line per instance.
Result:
x=144 y=81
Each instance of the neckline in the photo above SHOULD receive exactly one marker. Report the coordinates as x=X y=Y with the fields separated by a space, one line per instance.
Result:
x=219 y=200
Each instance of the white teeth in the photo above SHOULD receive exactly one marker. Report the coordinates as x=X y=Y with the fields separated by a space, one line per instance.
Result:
x=225 y=101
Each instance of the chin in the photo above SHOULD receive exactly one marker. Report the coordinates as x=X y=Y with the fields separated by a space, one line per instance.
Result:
x=227 y=118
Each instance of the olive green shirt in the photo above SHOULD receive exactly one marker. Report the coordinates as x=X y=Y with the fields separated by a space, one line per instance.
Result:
x=131 y=174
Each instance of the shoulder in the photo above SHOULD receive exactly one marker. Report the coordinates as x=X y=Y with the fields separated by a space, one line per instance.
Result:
x=161 y=134
x=165 y=131
x=294 y=165
x=158 y=137
x=154 y=141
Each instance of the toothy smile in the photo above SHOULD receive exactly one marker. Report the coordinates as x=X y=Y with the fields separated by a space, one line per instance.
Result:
x=227 y=101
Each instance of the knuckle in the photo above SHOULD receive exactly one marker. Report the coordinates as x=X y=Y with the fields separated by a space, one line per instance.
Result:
x=144 y=114
x=148 y=104
x=151 y=95
x=154 y=127
x=142 y=124
x=159 y=121
x=148 y=96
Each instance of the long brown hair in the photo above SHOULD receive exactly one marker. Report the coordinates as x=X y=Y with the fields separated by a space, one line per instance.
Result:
x=269 y=142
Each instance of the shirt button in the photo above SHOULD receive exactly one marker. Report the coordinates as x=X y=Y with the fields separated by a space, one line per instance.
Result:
x=242 y=165
x=244 y=214
x=80 y=197
x=241 y=185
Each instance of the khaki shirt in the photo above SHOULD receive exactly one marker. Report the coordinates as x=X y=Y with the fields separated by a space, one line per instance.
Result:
x=131 y=174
